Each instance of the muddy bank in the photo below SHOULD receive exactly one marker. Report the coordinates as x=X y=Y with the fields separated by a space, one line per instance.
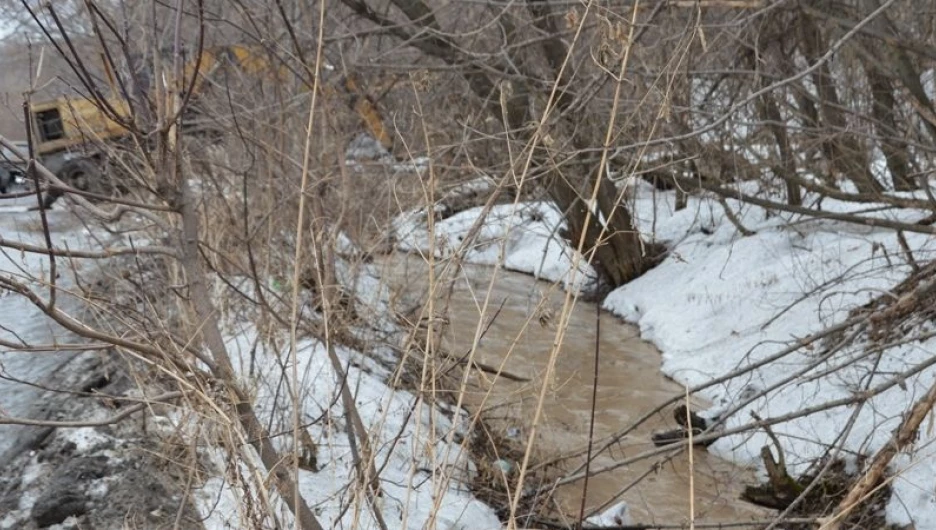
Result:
x=94 y=473
x=519 y=329
x=101 y=477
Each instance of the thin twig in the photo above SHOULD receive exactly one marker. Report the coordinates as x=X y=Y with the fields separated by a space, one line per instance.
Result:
x=12 y=420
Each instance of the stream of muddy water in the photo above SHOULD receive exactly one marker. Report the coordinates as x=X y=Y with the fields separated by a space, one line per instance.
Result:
x=522 y=315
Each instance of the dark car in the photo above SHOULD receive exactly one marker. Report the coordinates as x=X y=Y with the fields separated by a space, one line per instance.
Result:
x=12 y=169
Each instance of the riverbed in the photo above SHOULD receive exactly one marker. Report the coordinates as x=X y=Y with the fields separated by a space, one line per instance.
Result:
x=519 y=327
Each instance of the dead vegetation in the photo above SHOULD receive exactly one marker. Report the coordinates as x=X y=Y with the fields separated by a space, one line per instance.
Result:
x=826 y=485
x=271 y=217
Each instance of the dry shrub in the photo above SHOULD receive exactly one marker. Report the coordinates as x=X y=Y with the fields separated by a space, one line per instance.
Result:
x=832 y=487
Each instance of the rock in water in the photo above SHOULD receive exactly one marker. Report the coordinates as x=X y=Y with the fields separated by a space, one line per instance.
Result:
x=687 y=420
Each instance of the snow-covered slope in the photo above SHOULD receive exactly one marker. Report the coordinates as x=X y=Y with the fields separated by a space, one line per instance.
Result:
x=521 y=237
x=722 y=301
x=424 y=473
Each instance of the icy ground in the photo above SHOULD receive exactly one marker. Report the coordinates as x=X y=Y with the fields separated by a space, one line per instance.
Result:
x=58 y=478
x=722 y=301
x=21 y=320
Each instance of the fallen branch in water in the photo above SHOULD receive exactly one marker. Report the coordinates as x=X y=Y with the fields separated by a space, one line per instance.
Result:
x=553 y=524
x=497 y=372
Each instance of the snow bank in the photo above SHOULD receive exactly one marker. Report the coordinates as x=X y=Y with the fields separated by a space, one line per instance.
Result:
x=520 y=237
x=722 y=301
x=423 y=471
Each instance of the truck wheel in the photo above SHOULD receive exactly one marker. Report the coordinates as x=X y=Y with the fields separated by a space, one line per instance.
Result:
x=80 y=173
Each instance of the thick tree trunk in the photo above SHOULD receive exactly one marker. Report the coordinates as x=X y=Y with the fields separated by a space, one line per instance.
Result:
x=618 y=250
x=770 y=112
x=845 y=152
x=883 y=108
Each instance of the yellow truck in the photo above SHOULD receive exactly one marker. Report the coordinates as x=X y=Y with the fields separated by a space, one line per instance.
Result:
x=69 y=131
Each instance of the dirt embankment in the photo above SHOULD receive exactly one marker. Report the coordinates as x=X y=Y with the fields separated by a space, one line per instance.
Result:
x=102 y=477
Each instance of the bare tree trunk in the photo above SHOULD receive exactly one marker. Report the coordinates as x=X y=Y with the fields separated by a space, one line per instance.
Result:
x=909 y=77
x=883 y=107
x=681 y=102
x=770 y=112
x=618 y=250
x=845 y=153
x=619 y=254
x=896 y=64
x=208 y=328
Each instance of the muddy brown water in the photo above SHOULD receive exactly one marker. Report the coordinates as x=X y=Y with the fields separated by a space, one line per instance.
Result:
x=630 y=384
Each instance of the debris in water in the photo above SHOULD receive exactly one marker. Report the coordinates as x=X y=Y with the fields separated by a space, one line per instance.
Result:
x=505 y=466
x=617 y=515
